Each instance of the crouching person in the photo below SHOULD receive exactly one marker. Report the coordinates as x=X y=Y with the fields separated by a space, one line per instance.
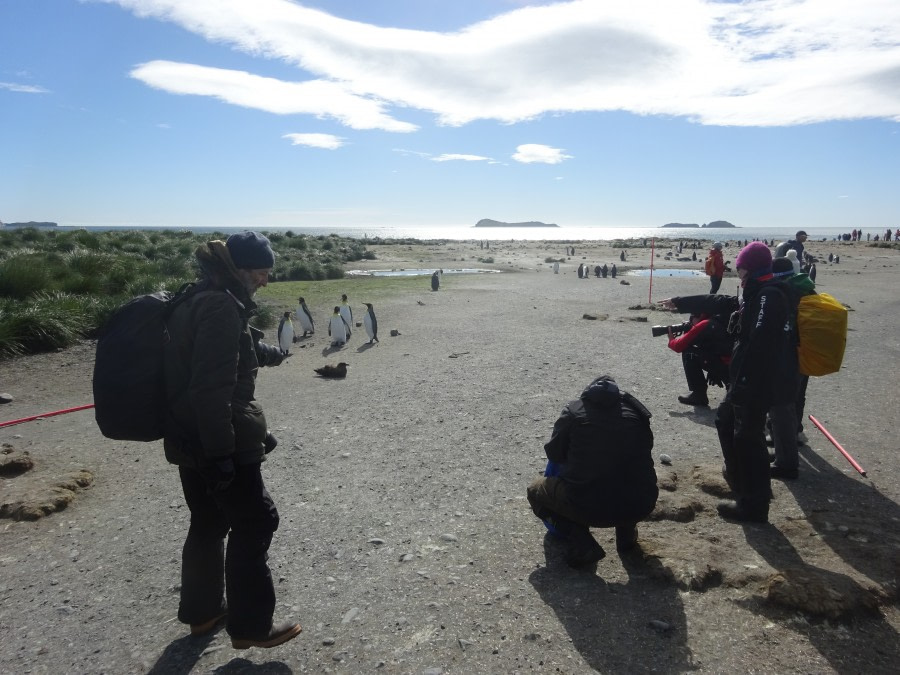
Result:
x=600 y=472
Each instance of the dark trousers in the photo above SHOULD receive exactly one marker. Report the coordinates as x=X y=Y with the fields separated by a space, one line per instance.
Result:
x=210 y=574
x=783 y=419
x=714 y=283
x=696 y=364
x=549 y=501
x=800 y=405
x=742 y=436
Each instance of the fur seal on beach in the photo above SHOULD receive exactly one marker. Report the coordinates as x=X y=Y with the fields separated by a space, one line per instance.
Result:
x=285 y=333
x=371 y=323
x=305 y=318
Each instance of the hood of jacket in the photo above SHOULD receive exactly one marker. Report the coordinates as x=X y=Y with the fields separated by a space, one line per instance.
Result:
x=219 y=272
x=602 y=392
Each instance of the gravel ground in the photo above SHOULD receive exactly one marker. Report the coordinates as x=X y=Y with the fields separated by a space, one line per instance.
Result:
x=406 y=544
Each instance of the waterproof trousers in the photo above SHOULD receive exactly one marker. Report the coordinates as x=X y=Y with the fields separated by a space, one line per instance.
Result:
x=212 y=574
x=742 y=436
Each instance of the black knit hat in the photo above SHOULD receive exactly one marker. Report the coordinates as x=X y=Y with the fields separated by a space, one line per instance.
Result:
x=250 y=251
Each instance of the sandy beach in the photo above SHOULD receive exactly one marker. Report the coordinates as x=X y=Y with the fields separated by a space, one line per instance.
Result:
x=406 y=544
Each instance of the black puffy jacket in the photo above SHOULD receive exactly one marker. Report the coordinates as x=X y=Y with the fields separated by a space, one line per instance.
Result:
x=211 y=362
x=602 y=442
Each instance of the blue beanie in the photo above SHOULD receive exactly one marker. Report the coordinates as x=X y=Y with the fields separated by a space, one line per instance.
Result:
x=250 y=251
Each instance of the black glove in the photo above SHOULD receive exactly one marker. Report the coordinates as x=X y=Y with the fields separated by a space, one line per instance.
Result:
x=218 y=476
x=270 y=443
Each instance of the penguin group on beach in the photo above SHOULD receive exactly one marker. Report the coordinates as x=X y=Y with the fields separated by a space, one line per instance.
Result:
x=285 y=333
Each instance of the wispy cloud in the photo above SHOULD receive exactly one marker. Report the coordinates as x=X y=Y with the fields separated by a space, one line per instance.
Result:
x=326 y=141
x=762 y=63
x=23 y=88
x=450 y=157
x=316 y=97
x=534 y=153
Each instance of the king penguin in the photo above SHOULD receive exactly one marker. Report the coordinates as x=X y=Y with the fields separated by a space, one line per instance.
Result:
x=371 y=323
x=338 y=329
x=305 y=318
x=347 y=313
x=285 y=333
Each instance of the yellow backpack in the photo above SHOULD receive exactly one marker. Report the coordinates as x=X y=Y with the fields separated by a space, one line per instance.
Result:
x=822 y=330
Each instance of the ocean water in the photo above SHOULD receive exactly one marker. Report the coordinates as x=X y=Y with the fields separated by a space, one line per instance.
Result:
x=570 y=234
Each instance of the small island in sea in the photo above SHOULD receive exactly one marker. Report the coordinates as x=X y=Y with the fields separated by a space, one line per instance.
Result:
x=715 y=223
x=487 y=222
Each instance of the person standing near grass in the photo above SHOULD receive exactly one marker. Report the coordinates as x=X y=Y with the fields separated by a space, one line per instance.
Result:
x=217 y=435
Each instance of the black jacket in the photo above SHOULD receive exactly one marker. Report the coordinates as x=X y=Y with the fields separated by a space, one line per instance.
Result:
x=211 y=363
x=763 y=370
x=602 y=442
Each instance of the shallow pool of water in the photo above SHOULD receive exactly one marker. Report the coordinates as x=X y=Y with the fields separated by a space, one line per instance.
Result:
x=659 y=272
x=411 y=272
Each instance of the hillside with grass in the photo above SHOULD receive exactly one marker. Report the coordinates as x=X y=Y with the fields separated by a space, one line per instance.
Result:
x=58 y=287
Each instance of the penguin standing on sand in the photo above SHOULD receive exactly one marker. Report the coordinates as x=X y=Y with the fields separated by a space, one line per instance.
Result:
x=285 y=333
x=435 y=281
x=338 y=328
x=347 y=313
x=305 y=318
x=371 y=323
x=556 y=267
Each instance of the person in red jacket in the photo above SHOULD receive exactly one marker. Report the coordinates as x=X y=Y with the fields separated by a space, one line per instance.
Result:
x=715 y=267
x=705 y=354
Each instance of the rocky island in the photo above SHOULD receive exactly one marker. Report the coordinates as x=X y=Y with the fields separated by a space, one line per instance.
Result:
x=714 y=224
x=487 y=222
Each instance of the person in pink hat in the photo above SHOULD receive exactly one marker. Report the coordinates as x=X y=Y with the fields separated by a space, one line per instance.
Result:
x=763 y=373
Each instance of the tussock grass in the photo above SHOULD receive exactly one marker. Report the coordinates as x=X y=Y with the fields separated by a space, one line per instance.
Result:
x=59 y=286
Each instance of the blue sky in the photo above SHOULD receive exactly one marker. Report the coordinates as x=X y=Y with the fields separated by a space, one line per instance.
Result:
x=271 y=113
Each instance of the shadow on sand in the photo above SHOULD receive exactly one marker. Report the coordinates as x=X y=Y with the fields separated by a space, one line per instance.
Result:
x=859 y=524
x=182 y=656
x=600 y=617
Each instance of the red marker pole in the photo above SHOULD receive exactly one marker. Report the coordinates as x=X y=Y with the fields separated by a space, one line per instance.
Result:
x=49 y=414
x=652 y=255
x=846 y=454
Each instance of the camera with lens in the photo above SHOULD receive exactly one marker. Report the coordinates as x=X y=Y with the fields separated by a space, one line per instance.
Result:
x=676 y=329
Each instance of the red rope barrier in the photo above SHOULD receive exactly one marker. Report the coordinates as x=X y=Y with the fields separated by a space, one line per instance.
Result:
x=49 y=414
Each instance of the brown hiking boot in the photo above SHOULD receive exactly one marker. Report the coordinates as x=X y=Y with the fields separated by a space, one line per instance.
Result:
x=277 y=635
x=207 y=626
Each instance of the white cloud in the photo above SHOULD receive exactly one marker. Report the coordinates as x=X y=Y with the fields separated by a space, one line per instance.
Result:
x=534 y=153
x=761 y=63
x=23 y=88
x=449 y=157
x=326 y=141
x=317 y=97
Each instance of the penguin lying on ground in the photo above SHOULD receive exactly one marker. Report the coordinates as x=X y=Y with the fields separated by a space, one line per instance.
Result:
x=340 y=370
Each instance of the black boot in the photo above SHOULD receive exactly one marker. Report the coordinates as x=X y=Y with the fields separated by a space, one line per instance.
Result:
x=694 y=398
x=626 y=538
x=744 y=512
x=583 y=550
